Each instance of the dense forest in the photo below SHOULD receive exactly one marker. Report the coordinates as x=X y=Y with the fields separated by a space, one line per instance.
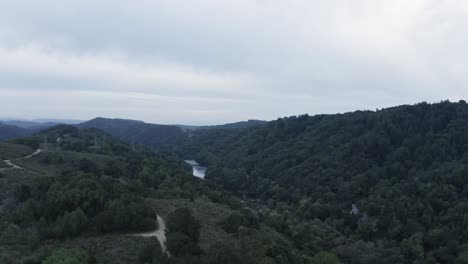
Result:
x=153 y=136
x=156 y=137
x=388 y=186
x=84 y=197
x=385 y=186
x=9 y=132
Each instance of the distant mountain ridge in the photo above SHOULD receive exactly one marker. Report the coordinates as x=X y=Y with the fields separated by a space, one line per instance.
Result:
x=153 y=136
x=12 y=128
x=9 y=132
x=24 y=123
x=236 y=125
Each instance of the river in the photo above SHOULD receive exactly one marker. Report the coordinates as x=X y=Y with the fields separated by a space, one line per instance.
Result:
x=198 y=170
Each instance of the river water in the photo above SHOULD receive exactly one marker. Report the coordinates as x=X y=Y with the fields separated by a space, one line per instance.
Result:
x=198 y=170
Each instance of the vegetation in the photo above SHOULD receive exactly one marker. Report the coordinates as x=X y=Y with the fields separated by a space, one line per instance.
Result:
x=69 y=256
x=9 y=132
x=183 y=233
x=86 y=187
x=388 y=186
x=152 y=136
x=84 y=183
x=367 y=186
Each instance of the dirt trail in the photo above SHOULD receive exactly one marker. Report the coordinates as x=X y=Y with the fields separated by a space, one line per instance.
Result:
x=159 y=233
x=34 y=154
x=14 y=166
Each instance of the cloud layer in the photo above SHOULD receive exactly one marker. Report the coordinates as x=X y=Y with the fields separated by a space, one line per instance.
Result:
x=208 y=61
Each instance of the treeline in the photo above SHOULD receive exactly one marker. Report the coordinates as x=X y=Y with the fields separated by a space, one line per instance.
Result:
x=158 y=138
x=384 y=186
x=83 y=189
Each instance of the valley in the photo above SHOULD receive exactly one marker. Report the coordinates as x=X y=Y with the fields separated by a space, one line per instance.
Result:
x=363 y=187
x=233 y=132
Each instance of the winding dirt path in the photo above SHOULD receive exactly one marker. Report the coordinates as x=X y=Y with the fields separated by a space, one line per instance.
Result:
x=159 y=233
x=14 y=166
x=34 y=154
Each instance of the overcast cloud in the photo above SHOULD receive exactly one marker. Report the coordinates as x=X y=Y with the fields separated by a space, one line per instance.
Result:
x=211 y=61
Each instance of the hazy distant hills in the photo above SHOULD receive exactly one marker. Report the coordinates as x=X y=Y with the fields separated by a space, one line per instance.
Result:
x=153 y=136
x=38 y=123
x=386 y=186
x=9 y=132
x=11 y=128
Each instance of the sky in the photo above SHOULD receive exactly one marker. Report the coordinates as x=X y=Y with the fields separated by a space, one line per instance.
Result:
x=212 y=62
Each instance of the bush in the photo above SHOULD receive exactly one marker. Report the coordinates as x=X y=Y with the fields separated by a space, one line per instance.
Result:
x=226 y=254
x=179 y=244
x=150 y=252
x=69 y=256
x=73 y=223
x=325 y=258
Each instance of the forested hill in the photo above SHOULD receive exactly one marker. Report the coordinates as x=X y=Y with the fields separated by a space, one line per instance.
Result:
x=389 y=186
x=10 y=129
x=9 y=132
x=82 y=197
x=396 y=178
x=77 y=195
x=154 y=137
x=158 y=138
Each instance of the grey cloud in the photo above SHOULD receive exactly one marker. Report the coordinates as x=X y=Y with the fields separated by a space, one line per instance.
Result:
x=235 y=59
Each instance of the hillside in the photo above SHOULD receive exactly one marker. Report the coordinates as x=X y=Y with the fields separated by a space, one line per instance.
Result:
x=392 y=184
x=158 y=138
x=9 y=132
x=388 y=186
x=152 y=136
x=77 y=195
x=28 y=124
x=10 y=129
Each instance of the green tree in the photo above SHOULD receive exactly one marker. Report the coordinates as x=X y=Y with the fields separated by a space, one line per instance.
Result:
x=73 y=223
x=151 y=252
x=179 y=244
x=183 y=221
x=412 y=247
x=220 y=253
